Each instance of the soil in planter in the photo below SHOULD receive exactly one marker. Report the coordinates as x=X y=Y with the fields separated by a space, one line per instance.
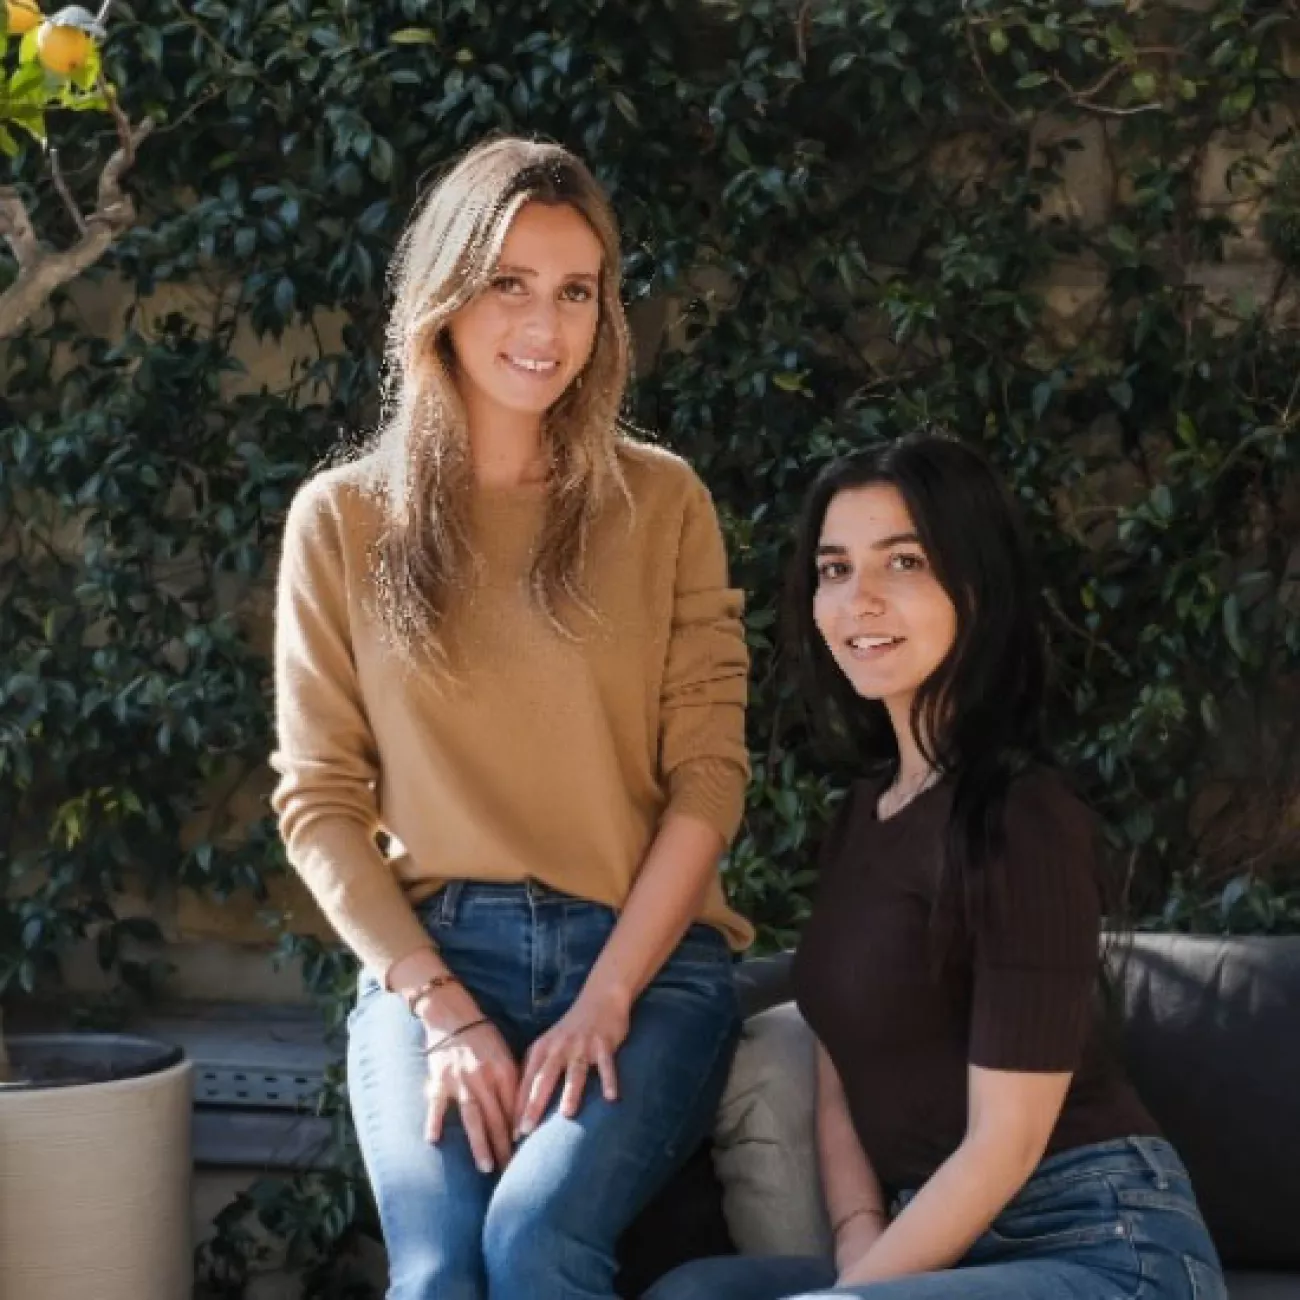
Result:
x=68 y=1059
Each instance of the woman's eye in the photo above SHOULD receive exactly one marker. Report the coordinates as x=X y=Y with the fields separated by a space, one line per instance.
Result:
x=905 y=563
x=829 y=570
x=578 y=293
x=507 y=284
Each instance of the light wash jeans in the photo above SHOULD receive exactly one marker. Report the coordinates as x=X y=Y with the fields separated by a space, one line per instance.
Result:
x=546 y=1226
x=1114 y=1221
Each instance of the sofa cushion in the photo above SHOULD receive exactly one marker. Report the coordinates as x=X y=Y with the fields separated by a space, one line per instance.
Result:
x=1211 y=1036
x=765 y=1140
x=1263 y=1286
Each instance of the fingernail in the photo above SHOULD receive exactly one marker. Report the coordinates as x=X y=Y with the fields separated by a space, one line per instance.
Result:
x=485 y=1166
x=526 y=1128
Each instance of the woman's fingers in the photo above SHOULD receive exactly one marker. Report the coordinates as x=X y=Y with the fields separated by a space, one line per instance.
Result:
x=496 y=1121
x=575 y=1080
x=605 y=1067
x=438 y=1102
x=471 y=1116
x=484 y=1097
x=536 y=1090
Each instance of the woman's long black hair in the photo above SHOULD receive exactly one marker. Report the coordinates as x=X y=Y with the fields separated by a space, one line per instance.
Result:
x=978 y=717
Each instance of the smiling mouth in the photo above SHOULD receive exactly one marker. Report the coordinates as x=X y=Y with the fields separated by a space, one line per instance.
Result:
x=532 y=365
x=872 y=647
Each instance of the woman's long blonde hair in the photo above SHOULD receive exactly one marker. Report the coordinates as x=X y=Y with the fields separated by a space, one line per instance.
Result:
x=421 y=453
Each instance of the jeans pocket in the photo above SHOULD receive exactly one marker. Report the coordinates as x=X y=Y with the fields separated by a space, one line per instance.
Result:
x=1207 y=1282
x=1051 y=1234
x=1171 y=1201
x=1082 y=1213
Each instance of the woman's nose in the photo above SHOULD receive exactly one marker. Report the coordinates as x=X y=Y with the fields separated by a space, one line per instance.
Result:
x=542 y=321
x=866 y=597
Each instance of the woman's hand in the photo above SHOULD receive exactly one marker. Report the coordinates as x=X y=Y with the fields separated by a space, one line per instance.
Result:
x=588 y=1035
x=476 y=1072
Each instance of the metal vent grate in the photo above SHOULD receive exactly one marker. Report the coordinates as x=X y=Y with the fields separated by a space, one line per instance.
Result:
x=228 y=1085
x=250 y=1057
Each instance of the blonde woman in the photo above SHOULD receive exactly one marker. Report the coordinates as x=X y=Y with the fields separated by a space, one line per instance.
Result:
x=505 y=640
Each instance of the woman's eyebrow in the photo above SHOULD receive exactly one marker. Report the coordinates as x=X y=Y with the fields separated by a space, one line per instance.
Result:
x=894 y=539
x=881 y=544
x=509 y=268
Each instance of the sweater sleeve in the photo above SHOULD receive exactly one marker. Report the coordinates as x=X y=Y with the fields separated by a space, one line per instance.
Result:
x=1036 y=956
x=702 y=753
x=326 y=755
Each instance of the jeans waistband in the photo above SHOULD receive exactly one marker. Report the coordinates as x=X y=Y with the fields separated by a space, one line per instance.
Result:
x=1151 y=1155
x=445 y=905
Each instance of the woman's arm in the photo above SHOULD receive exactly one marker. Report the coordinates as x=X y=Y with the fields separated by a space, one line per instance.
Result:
x=1011 y=1118
x=326 y=753
x=704 y=767
x=855 y=1203
x=328 y=763
x=663 y=902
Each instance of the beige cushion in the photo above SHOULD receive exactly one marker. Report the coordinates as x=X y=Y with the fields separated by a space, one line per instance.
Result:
x=765 y=1149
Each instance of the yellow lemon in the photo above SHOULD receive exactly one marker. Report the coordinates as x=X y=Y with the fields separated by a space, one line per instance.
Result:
x=62 y=50
x=21 y=16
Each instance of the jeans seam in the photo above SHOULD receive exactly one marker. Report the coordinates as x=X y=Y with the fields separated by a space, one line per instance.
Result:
x=1195 y=1270
x=1125 y=1221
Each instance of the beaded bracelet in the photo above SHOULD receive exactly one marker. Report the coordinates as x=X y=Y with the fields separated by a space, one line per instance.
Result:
x=415 y=996
x=430 y=1048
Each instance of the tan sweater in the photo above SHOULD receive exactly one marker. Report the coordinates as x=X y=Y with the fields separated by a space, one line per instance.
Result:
x=546 y=758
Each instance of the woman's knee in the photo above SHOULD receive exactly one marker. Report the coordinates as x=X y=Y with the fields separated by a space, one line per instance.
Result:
x=531 y=1240
x=433 y=1274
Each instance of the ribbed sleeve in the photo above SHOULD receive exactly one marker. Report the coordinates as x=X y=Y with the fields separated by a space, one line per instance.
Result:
x=1036 y=958
x=702 y=730
x=326 y=755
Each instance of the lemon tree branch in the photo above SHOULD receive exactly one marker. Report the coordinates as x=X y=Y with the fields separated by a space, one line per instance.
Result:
x=42 y=270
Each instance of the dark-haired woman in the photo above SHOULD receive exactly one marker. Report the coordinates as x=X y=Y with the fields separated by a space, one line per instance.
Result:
x=977 y=1139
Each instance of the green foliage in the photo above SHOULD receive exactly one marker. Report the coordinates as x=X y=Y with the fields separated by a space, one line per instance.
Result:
x=1282 y=216
x=857 y=214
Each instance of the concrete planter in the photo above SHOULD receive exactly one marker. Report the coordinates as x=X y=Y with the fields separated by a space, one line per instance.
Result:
x=95 y=1169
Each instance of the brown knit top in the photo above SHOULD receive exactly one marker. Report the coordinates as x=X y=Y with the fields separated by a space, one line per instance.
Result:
x=1021 y=996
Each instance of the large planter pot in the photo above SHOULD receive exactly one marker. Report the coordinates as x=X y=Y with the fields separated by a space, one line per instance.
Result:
x=94 y=1169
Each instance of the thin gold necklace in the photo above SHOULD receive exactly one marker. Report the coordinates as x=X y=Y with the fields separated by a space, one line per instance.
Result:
x=920 y=787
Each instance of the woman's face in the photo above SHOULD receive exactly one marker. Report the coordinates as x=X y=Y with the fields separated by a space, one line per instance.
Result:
x=525 y=338
x=885 y=618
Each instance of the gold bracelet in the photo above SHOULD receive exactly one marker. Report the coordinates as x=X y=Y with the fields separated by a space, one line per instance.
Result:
x=413 y=997
x=874 y=1211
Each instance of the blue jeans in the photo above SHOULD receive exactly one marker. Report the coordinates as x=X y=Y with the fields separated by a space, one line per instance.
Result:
x=545 y=1226
x=1115 y=1221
